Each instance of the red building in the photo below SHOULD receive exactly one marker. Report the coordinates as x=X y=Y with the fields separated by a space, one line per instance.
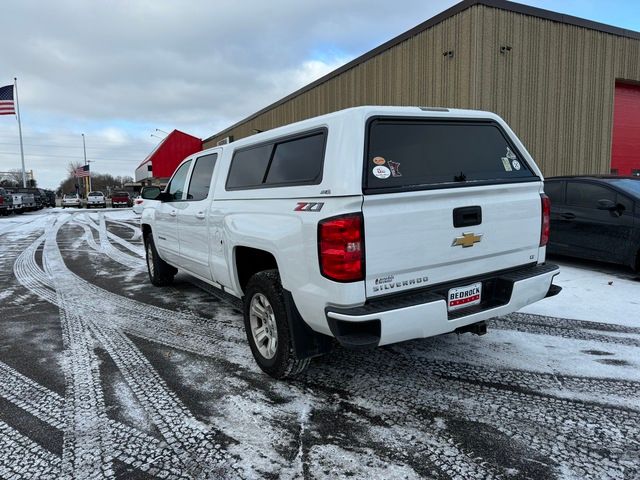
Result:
x=163 y=160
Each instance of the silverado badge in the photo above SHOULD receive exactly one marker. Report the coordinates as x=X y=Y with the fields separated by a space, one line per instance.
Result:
x=466 y=240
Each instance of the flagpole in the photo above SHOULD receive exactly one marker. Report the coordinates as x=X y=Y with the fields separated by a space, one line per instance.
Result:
x=24 y=175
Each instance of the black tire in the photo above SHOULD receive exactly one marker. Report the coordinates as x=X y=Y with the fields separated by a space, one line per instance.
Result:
x=284 y=362
x=160 y=272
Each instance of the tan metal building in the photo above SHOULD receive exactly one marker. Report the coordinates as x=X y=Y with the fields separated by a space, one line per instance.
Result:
x=554 y=78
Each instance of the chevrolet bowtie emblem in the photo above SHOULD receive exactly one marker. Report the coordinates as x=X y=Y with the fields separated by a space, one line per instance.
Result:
x=466 y=240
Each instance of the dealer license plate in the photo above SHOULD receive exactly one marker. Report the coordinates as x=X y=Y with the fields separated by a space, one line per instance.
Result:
x=461 y=297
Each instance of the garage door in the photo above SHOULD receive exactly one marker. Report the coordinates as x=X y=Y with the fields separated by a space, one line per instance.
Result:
x=625 y=151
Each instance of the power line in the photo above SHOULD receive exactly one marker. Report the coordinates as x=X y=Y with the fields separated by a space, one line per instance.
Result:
x=142 y=152
x=73 y=157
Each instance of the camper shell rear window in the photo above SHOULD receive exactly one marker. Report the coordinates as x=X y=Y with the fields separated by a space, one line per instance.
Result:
x=417 y=154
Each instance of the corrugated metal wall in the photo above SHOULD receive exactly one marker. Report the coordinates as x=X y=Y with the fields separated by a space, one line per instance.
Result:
x=555 y=86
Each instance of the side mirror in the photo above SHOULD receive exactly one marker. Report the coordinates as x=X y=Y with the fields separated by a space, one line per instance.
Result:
x=151 y=193
x=607 y=205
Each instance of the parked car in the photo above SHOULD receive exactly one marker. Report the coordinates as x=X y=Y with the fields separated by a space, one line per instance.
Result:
x=595 y=217
x=71 y=200
x=6 y=202
x=121 y=199
x=371 y=225
x=96 y=199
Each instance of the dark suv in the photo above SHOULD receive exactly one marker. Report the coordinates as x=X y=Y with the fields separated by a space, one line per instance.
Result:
x=595 y=217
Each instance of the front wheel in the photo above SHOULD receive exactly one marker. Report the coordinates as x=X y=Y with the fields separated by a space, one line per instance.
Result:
x=160 y=272
x=267 y=326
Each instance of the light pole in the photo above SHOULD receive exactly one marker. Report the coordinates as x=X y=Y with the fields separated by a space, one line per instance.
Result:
x=84 y=148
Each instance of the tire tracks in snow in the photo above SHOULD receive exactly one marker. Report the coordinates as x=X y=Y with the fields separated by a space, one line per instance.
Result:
x=565 y=328
x=391 y=387
x=21 y=457
x=191 y=440
x=130 y=445
x=87 y=436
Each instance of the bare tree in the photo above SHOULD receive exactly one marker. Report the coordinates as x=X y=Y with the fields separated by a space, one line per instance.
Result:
x=12 y=178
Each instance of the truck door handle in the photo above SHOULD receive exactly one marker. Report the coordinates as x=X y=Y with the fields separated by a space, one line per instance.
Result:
x=173 y=213
x=568 y=216
x=200 y=215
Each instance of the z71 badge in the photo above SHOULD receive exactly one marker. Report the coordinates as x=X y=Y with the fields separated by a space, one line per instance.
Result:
x=308 y=207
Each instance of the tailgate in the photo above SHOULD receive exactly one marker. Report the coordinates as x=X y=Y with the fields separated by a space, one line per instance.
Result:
x=411 y=241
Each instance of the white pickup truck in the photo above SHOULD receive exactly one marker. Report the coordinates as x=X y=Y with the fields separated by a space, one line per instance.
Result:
x=369 y=226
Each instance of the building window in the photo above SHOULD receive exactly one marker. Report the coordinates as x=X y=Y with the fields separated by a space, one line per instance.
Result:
x=635 y=172
x=148 y=168
x=614 y=171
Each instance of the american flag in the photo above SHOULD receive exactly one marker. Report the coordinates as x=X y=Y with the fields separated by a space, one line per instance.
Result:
x=83 y=171
x=6 y=100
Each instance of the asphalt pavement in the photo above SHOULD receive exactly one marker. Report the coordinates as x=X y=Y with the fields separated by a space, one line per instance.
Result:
x=103 y=375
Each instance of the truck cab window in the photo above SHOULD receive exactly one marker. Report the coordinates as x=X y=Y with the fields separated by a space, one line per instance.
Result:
x=176 y=186
x=201 y=177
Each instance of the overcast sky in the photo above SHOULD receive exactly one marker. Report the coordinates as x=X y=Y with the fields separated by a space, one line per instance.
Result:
x=118 y=70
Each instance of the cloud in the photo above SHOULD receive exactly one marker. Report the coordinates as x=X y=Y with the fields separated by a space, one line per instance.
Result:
x=117 y=70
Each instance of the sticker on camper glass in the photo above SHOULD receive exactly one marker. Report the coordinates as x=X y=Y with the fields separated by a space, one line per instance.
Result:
x=516 y=164
x=510 y=155
x=381 y=172
x=395 y=168
x=506 y=164
x=379 y=160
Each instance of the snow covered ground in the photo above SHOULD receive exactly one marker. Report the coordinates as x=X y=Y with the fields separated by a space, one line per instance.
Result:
x=588 y=294
x=104 y=376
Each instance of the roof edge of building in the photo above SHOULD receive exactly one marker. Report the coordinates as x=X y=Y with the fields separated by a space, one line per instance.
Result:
x=442 y=16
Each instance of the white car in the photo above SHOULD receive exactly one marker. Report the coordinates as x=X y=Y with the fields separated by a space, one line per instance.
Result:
x=96 y=199
x=371 y=225
x=71 y=200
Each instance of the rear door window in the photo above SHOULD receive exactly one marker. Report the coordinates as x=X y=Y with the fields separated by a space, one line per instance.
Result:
x=413 y=154
x=201 y=177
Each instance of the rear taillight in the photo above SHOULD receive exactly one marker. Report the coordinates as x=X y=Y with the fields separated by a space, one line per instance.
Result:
x=341 y=248
x=139 y=201
x=546 y=213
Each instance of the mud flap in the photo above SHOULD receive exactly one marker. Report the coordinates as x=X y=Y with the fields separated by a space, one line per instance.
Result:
x=307 y=343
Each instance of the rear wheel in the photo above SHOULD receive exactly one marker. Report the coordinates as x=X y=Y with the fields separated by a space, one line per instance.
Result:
x=267 y=326
x=160 y=272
